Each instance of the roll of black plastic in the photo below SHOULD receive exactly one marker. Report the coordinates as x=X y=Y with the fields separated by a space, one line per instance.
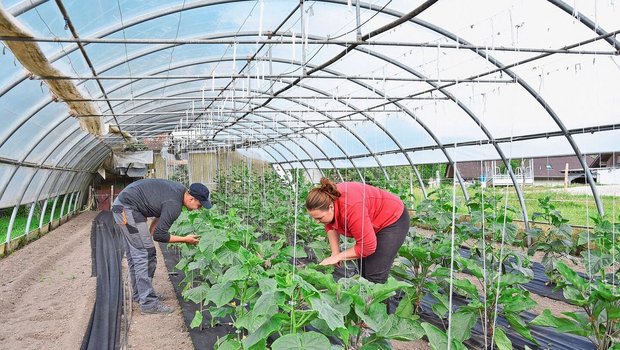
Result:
x=107 y=254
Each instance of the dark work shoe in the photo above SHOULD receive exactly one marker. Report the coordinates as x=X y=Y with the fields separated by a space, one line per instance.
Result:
x=157 y=308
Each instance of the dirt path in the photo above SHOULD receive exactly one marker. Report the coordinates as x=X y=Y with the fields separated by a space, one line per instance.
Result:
x=47 y=296
x=160 y=331
x=46 y=292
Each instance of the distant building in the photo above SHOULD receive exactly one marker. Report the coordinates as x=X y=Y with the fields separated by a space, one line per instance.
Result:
x=542 y=171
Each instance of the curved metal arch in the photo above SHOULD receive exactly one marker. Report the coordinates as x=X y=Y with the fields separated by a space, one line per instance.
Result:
x=472 y=116
x=226 y=35
x=290 y=139
x=38 y=196
x=294 y=155
x=266 y=118
x=324 y=93
x=396 y=142
x=125 y=24
x=192 y=80
x=14 y=171
x=320 y=131
x=535 y=95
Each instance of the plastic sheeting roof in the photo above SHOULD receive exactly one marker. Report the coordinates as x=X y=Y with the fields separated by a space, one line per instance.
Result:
x=312 y=84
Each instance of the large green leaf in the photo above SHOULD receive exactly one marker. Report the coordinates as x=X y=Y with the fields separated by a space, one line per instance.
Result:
x=462 y=323
x=333 y=317
x=228 y=343
x=563 y=325
x=519 y=326
x=235 y=273
x=197 y=294
x=211 y=242
x=197 y=321
x=571 y=276
x=302 y=341
x=267 y=285
x=401 y=329
x=221 y=293
x=438 y=339
x=372 y=343
x=510 y=279
x=319 y=279
x=375 y=315
x=382 y=291
x=298 y=252
x=501 y=340
x=265 y=330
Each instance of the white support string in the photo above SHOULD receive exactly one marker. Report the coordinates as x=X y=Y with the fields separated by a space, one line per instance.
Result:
x=296 y=191
x=588 y=244
x=499 y=268
x=454 y=178
x=484 y=268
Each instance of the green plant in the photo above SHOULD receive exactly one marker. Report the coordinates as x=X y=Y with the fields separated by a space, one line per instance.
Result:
x=556 y=241
x=598 y=298
x=500 y=272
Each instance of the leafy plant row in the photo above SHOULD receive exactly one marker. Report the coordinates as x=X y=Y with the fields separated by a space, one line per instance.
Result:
x=243 y=273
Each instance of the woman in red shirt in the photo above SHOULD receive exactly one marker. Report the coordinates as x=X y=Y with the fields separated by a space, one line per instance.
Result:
x=376 y=219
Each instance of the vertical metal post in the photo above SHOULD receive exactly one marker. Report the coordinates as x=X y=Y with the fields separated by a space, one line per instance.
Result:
x=75 y=202
x=303 y=38
x=29 y=220
x=358 y=19
x=70 y=202
x=270 y=68
x=42 y=217
x=10 y=228
x=53 y=208
x=62 y=206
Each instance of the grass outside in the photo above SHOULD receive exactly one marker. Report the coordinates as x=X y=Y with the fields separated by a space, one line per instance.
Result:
x=576 y=208
x=19 y=226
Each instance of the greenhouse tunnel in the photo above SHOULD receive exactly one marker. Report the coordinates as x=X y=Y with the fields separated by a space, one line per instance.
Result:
x=464 y=109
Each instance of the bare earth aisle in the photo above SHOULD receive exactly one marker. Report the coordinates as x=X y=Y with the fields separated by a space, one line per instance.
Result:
x=46 y=292
x=47 y=296
x=160 y=331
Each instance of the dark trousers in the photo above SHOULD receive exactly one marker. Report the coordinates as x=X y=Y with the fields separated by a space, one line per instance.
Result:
x=376 y=267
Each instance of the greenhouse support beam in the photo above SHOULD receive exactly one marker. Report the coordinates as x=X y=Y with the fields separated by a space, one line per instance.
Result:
x=176 y=42
x=248 y=111
x=417 y=175
x=320 y=131
x=32 y=58
x=475 y=119
x=222 y=98
x=62 y=206
x=42 y=216
x=71 y=206
x=29 y=220
x=69 y=24
x=337 y=57
x=265 y=77
x=42 y=166
x=9 y=229
x=54 y=208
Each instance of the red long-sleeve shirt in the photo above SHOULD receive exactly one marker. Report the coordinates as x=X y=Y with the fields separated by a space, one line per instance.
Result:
x=361 y=212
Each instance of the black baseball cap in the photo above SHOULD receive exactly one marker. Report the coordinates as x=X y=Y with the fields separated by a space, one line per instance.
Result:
x=200 y=192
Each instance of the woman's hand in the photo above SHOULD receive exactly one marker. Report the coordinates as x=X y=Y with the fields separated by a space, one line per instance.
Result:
x=332 y=260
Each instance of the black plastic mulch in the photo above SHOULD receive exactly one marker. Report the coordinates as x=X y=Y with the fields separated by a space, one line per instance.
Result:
x=547 y=338
x=202 y=339
x=106 y=329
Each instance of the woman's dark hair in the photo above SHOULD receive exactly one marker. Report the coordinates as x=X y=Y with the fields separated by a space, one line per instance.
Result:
x=323 y=196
